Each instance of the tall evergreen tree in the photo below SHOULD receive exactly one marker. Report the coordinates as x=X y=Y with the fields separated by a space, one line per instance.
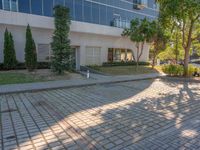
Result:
x=30 y=51
x=61 y=44
x=10 y=60
x=12 y=49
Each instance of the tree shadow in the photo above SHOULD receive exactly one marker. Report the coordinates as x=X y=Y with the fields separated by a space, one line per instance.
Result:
x=148 y=114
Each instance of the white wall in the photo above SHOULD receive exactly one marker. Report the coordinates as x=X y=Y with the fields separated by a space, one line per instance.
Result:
x=82 y=34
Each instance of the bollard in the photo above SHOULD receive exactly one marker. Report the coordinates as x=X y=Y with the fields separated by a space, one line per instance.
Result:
x=88 y=74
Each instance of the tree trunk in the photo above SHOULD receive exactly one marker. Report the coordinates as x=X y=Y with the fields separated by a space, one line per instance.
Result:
x=153 y=62
x=186 y=62
x=154 y=58
x=137 y=59
x=187 y=48
x=176 y=49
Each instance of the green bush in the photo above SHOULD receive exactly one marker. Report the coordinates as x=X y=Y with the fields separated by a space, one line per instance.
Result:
x=178 y=70
x=131 y=63
x=192 y=69
x=173 y=70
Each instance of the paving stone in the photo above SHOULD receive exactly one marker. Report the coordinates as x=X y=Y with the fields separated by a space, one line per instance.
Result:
x=147 y=114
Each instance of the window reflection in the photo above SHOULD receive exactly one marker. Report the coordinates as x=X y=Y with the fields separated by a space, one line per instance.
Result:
x=95 y=11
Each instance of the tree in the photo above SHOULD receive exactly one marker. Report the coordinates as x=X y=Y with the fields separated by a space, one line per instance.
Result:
x=30 y=51
x=61 y=59
x=171 y=53
x=173 y=50
x=159 y=41
x=10 y=60
x=140 y=32
x=185 y=14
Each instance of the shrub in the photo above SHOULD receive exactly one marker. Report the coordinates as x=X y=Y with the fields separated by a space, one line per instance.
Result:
x=178 y=70
x=131 y=63
x=30 y=51
x=10 y=60
x=192 y=69
x=20 y=66
x=173 y=70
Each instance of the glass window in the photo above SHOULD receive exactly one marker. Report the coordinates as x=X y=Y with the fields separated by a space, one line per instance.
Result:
x=6 y=4
x=144 y=2
x=43 y=52
x=0 y=4
x=58 y=2
x=10 y=5
x=103 y=14
x=48 y=7
x=14 y=5
x=78 y=10
x=36 y=7
x=117 y=55
x=69 y=4
x=110 y=17
x=87 y=11
x=24 y=6
x=95 y=13
x=93 y=56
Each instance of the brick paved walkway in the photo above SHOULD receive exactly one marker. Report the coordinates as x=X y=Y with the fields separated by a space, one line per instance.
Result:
x=150 y=114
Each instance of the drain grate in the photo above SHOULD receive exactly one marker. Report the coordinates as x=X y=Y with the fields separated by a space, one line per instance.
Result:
x=8 y=110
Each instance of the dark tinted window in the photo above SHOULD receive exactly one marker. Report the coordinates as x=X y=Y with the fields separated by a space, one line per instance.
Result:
x=110 y=18
x=87 y=11
x=95 y=13
x=103 y=14
x=36 y=7
x=0 y=4
x=48 y=7
x=69 y=4
x=24 y=6
x=78 y=10
x=59 y=2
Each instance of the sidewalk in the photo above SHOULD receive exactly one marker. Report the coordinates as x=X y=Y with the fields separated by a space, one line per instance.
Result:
x=16 y=88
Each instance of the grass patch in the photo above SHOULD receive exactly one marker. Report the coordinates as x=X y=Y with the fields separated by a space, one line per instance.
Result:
x=13 y=78
x=40 y=75
x=125 y=70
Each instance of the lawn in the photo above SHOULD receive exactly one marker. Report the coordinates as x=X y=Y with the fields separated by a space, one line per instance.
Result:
x=41 y=75
x=125 y=70
x=13 y=78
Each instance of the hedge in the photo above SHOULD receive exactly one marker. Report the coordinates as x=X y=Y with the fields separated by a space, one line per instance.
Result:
x=132 y=63
x=20 y=66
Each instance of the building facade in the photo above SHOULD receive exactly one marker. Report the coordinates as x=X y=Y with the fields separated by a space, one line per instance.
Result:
x=95 y=30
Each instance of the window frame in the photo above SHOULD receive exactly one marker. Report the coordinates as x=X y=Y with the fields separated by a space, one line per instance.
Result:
x=10 y=5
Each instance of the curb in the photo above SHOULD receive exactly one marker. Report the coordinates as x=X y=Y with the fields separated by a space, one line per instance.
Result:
x=180 y=79
x=75 y=86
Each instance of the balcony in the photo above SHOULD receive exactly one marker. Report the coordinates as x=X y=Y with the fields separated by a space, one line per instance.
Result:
x=119 y=23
